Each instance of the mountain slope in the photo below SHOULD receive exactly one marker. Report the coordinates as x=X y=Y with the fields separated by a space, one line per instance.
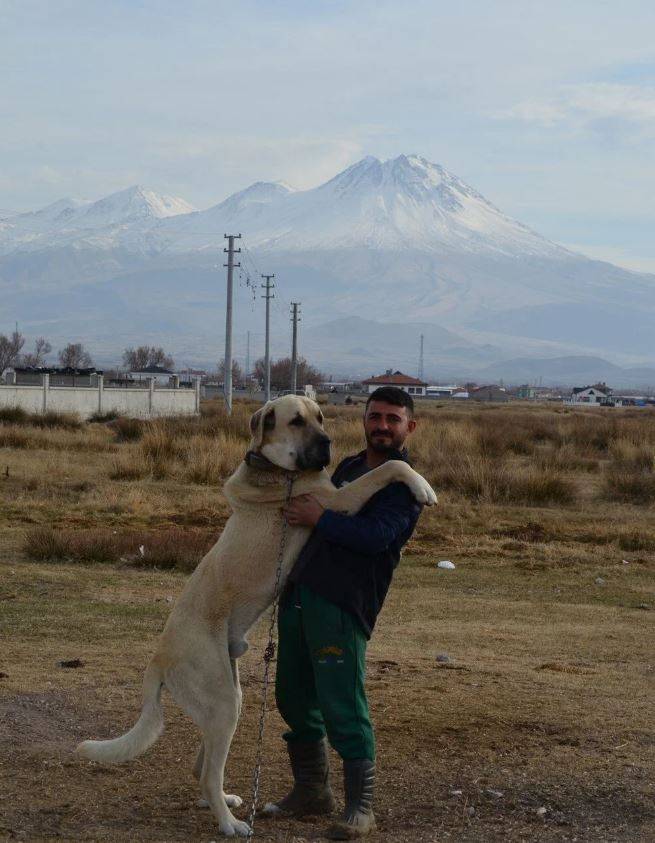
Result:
x=405 y=203
x=401 y=241
x=107 y=223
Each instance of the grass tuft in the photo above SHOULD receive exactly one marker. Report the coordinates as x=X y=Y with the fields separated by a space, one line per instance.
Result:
x=172 y=547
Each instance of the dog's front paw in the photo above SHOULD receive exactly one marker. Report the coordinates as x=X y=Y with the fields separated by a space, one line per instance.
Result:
x=422 y=491
x=231 y=800
x=234 y=828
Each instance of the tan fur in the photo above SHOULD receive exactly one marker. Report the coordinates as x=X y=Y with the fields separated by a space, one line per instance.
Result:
x=196 y=657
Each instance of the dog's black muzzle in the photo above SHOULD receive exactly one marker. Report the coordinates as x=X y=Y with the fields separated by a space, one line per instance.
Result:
x=316 y=456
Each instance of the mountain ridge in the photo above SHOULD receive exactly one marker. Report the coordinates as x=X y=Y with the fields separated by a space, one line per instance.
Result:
x=402 y=239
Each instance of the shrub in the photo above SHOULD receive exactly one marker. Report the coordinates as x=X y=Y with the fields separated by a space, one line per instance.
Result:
x=210 y=461
x=171 y=547
x=102 y=418
x=628 y=487
x=13 y=415
x=590 y=432
x=498 y=481
x=632 y=457
x=636 y=541
x=128 y=430
x=160 y=445
x=129 y=468
x=67 y=421
x=51 y=419
x=15 y=437
x=537 y=488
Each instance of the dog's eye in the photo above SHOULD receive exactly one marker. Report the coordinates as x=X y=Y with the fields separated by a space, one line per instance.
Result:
x=298 y=421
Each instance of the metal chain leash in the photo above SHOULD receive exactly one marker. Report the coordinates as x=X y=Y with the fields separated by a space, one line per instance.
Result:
x=269 y=655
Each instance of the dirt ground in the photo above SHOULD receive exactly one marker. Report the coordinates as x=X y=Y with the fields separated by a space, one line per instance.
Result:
x=539 y=728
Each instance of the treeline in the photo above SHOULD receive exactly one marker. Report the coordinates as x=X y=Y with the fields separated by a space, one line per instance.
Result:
x=76 y=356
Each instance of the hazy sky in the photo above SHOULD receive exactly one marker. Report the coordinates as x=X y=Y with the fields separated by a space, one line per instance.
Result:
x=547 y=108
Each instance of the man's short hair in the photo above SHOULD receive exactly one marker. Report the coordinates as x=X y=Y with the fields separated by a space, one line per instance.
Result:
x=392 y=395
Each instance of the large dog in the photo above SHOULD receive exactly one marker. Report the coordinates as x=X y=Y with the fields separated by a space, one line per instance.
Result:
x=235 y=582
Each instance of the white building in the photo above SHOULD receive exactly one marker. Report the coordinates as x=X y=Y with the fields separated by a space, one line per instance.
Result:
x=441 y=391
x=161 y=375
x=595 y=394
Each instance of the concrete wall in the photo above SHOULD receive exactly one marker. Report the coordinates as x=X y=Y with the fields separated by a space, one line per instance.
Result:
x=85 y=401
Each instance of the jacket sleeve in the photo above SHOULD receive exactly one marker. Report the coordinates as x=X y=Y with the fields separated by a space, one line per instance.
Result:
x=391 y=515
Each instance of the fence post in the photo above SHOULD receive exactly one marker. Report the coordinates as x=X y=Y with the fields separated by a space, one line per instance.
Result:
x=101 y=389
x=151 y=395
x=46 y=387
x=197 y=391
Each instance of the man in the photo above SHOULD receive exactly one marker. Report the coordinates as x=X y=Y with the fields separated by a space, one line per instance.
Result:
x=327 y=614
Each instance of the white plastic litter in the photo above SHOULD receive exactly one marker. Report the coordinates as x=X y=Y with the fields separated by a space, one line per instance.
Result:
x=446 y=564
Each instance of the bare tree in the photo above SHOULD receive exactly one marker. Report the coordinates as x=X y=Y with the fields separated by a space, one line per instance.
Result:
x=237 y=374
x=37 y=357
x=75 y=356
x=139 y=358
x=10 y=348
x=281 y=373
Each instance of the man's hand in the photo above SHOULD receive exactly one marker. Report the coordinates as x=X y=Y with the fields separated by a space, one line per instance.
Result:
x=303 y=511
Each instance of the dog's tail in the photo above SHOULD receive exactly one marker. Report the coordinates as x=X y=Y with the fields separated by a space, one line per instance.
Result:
x=142 y=735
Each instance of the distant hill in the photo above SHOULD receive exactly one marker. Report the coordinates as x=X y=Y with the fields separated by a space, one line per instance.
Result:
x=569 y=371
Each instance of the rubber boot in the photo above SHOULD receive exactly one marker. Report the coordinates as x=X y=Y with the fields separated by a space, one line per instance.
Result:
x=358 y=785
x=311 y=794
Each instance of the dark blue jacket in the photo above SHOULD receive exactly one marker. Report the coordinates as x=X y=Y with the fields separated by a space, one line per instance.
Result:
x=350 y=559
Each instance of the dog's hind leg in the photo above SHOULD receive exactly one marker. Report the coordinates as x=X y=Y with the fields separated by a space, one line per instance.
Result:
x=217 y=740
x=206 y=690
x=231 y=799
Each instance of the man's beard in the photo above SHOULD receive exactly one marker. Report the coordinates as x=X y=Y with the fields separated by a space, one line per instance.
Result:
x=382 y=444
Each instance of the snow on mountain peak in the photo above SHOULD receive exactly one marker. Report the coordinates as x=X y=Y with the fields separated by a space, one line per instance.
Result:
x=66 y=221
x=401 y=203
x=405 y=202
x=134 y=203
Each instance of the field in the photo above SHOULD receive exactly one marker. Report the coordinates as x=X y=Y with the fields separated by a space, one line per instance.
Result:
x=536 y=722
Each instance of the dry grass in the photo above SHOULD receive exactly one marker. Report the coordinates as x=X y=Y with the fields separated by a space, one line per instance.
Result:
x=165 y=548
x=548 y=516
x=51 y=419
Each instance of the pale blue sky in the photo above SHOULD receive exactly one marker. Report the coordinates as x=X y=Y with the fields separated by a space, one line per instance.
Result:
x=547 y=108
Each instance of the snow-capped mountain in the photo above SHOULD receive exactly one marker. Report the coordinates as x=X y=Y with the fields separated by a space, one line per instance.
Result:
x=405 y=203
x=398 y=241
x=107 y=221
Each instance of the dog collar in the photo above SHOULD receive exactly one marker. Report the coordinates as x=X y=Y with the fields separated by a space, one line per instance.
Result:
x=254 y=460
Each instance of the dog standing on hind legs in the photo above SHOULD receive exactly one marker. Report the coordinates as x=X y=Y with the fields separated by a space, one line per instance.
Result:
x=196 y=656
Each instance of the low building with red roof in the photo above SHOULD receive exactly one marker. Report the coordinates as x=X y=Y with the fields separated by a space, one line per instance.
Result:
x=408 y=384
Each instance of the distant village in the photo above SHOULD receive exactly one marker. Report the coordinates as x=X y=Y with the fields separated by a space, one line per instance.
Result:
x=160 y=377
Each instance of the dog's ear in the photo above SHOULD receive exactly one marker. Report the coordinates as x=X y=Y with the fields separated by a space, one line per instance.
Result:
x=259 y=422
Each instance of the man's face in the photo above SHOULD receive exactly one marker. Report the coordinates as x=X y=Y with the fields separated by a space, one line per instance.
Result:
x=386 y=426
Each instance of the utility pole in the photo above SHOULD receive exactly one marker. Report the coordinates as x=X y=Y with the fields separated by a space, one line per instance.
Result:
x=294 y=346
x=420 y=361
x=267 y=352
x=227 y=382
x=248 y=356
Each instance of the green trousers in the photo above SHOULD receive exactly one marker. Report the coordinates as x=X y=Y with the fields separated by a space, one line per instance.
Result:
x=319 y=685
